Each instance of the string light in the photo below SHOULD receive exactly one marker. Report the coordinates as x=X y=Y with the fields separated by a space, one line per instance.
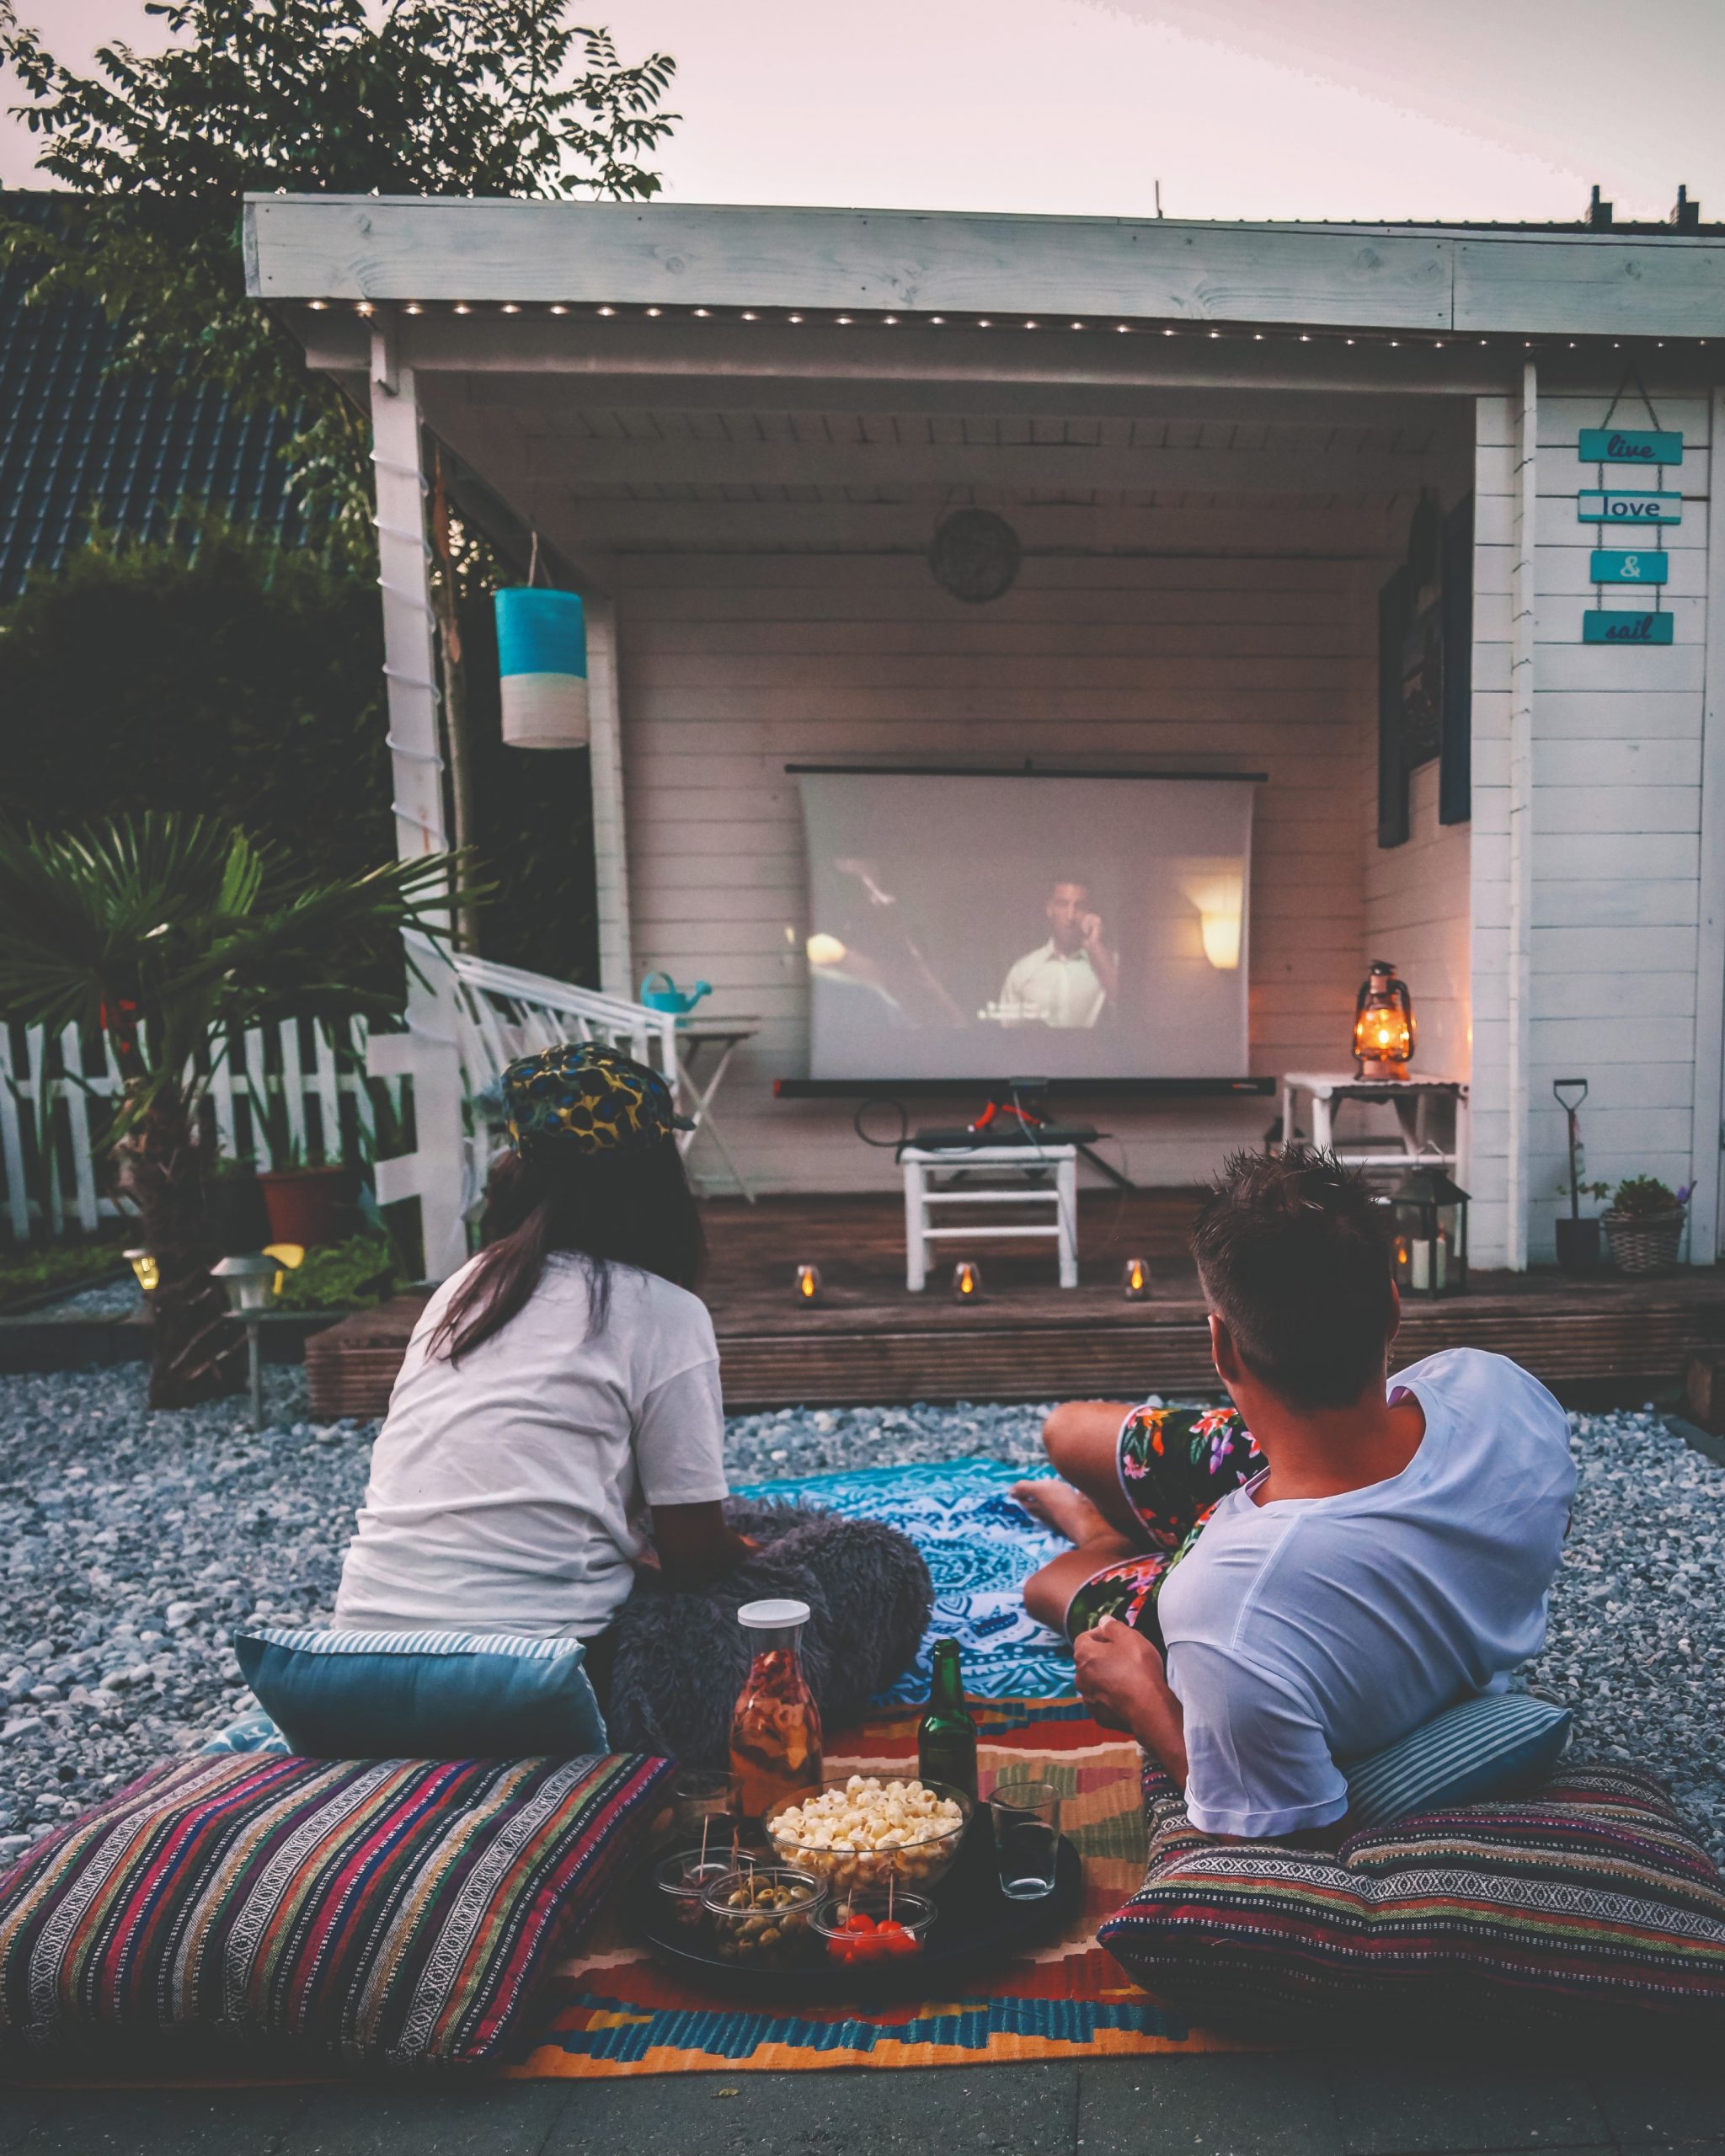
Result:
x=509 y=307
x=318 y=306
x=985 y=323
x=938 y=320
x=559 y=308
x=1030 y=325
x=654 y=313
x=461 y=307
x=794 y=318
x=364 y=308
x=413 y=306
x=703 y=314
x=892 y=321
x=607 y=310
x=1078 y=325
x=846 y=319
x=747 y=317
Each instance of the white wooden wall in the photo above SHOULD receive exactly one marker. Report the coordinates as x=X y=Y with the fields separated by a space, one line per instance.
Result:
x=1612 y=801
x=1417 y=899
x=732 y=665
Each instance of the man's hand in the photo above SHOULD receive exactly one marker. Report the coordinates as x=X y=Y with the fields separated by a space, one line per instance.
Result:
x=1119 y=1672
x=1090 y=927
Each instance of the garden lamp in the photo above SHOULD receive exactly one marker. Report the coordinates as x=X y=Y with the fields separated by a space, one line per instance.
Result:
x=250 y=1285
x=145 y=1269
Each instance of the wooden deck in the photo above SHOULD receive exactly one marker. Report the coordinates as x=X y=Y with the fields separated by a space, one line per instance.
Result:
x=1607 y=1338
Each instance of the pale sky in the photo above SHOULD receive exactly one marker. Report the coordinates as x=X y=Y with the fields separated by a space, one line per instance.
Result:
x=1343 y=109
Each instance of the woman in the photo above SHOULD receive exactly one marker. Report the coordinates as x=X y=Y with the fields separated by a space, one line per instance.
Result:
x=557 y=1382
x=560 y=1394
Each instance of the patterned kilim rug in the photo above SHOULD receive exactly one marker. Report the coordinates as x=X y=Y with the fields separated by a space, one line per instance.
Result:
x=613 y=2011
x=981 y=1548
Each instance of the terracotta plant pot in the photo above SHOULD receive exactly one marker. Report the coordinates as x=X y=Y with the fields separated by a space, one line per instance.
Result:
x=311 y=1206
x=1644 y=1242
x=1578 y=1246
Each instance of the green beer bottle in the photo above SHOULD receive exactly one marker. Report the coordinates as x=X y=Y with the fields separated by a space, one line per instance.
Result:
x=946 y=1742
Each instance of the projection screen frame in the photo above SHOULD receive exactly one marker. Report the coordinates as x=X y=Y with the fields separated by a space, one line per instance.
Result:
x=1165 y=1088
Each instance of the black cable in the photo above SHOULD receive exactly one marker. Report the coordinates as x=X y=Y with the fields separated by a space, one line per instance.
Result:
x=893 y=1145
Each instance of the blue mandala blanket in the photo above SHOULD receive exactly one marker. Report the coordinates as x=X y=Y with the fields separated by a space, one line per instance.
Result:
x=981 y=1548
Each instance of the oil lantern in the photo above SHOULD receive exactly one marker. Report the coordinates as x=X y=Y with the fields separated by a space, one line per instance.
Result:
x=1383 y=1023
x=1429 y=1214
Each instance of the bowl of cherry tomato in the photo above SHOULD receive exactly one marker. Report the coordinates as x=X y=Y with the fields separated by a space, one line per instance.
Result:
x=874 y=1929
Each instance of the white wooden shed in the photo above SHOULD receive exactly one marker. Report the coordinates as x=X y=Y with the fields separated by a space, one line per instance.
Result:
x=738 y=429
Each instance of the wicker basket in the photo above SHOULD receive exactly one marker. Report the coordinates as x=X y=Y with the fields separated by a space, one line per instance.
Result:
x=1644 y=1242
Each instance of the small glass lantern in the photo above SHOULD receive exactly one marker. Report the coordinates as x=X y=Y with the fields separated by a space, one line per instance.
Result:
x=809 y=1284
x=249 y=1283
x=145 y=1269
x=1134 y=1280
x=1429 y=1213
x=1383 y=1023
x=967 y=1281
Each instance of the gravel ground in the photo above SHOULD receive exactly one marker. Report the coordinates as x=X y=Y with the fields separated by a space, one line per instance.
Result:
x=132 y=1545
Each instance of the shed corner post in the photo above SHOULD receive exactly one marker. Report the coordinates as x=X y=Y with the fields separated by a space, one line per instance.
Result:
x=610 y=850
x=1518 y=982
x=1707 y=1130
x=430 y=1054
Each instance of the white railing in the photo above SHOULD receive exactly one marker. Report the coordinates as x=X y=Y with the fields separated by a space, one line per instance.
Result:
x=307 y=1083
x=301 y=1080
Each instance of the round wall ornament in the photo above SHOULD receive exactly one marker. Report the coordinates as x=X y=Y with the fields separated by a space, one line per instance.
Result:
x=975 y=555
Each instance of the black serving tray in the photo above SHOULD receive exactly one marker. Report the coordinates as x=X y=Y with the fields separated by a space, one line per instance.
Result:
x=973 y=1921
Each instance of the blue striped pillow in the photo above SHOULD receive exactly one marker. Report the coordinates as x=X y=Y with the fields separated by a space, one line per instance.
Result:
x=1493 y=1747
x=422 y=1696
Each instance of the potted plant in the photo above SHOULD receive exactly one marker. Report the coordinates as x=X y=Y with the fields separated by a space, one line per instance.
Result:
x=310 y=1201
x=1644 y=1225
x=163 y=931
x=234 y=1201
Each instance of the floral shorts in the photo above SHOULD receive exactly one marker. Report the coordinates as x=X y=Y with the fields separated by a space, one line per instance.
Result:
x=1176 y=1466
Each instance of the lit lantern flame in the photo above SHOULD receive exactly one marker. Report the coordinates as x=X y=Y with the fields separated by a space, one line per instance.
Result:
x=1135 y=1279
x=966 y=1280
x=808 y=1283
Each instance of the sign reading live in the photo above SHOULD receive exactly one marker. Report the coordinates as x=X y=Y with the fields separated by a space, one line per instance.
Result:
x=1604 y=627
x=1625 y=445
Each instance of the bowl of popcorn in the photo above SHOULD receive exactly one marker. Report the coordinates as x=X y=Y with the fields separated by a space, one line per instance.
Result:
x=869 y=1826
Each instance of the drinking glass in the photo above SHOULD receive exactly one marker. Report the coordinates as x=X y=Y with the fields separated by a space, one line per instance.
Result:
x=1027 y=1838
x=702 y=1794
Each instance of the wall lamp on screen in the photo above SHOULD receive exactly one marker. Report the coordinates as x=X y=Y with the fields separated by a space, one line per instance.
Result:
x=1220 y=900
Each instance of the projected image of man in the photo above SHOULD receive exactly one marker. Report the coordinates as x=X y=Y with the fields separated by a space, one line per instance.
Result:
x=1067 y=982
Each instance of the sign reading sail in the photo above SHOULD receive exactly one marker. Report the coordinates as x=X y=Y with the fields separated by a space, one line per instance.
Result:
x=1629 y=445
x=1625 y=627
x=1598 y=506
x=1611 y=565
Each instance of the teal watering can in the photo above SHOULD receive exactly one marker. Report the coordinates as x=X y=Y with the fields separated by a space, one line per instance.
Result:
x=659 y=992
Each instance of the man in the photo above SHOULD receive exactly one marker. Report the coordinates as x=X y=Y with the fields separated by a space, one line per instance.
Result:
x=1065 y=982
x=1261 y=1591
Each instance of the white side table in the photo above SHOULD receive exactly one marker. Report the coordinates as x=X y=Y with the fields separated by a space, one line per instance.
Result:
x=711 y=1043
x=1411 y=1098
x=924 y=1189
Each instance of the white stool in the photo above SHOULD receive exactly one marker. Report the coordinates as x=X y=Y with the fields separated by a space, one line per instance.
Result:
x=923 y=1166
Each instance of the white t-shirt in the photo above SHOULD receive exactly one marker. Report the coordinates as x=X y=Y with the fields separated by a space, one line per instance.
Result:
x=506 y=1492
x=1314 y=1630
x=1060 y=988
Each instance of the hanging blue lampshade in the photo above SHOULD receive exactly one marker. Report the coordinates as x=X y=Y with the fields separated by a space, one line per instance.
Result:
x=541 y=662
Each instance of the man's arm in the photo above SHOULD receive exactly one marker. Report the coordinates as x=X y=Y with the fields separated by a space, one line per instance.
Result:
x=1122 y=1677
x=1102 y=962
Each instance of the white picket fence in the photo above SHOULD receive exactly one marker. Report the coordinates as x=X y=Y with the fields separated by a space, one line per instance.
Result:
x=56 y=1102
x=310 y=1081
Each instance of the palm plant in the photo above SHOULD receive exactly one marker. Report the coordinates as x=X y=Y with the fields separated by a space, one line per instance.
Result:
x=161 y=932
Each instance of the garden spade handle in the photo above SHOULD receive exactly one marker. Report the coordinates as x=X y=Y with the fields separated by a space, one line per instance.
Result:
x=1561 y=1087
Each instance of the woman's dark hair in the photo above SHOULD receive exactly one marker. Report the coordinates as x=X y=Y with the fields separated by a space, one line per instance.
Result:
x=1293 y=1255
x=632 y=1208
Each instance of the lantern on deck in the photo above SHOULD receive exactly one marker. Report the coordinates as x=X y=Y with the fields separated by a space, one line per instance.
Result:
x=967 y=1280
x=809 y=1284
x=1134 y=1280
x=1383 y=1024
x=541 y=668
x=1429 y=1214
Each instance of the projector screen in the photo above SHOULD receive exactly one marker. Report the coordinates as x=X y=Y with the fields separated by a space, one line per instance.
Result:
x=983 y=925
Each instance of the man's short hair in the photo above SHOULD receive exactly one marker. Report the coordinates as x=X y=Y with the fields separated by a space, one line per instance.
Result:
x=1294 y=1258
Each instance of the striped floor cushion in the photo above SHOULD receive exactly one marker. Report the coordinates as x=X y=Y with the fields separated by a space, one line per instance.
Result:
x=1590 y=1895
x=1497 y=1746
x=393 y=1909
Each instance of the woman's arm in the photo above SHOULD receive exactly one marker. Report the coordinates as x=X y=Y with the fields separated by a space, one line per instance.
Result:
x=694 y=1545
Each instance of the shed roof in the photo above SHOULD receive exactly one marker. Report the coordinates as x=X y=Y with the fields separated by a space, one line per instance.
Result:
x=128 y=446
x=681 y=257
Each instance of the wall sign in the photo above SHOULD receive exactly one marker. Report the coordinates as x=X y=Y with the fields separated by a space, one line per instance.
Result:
x=1655 y=449
x=1598 y=506
x=1612 y=566
x=1622 y=446
x=1622 y=627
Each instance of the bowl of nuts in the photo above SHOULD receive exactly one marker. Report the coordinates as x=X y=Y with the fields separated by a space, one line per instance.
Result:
x=861 y=1831
x=760 y=1918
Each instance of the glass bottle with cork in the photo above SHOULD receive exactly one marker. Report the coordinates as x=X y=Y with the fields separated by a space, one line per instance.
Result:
x=946 y=1739
x=776 y=1725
